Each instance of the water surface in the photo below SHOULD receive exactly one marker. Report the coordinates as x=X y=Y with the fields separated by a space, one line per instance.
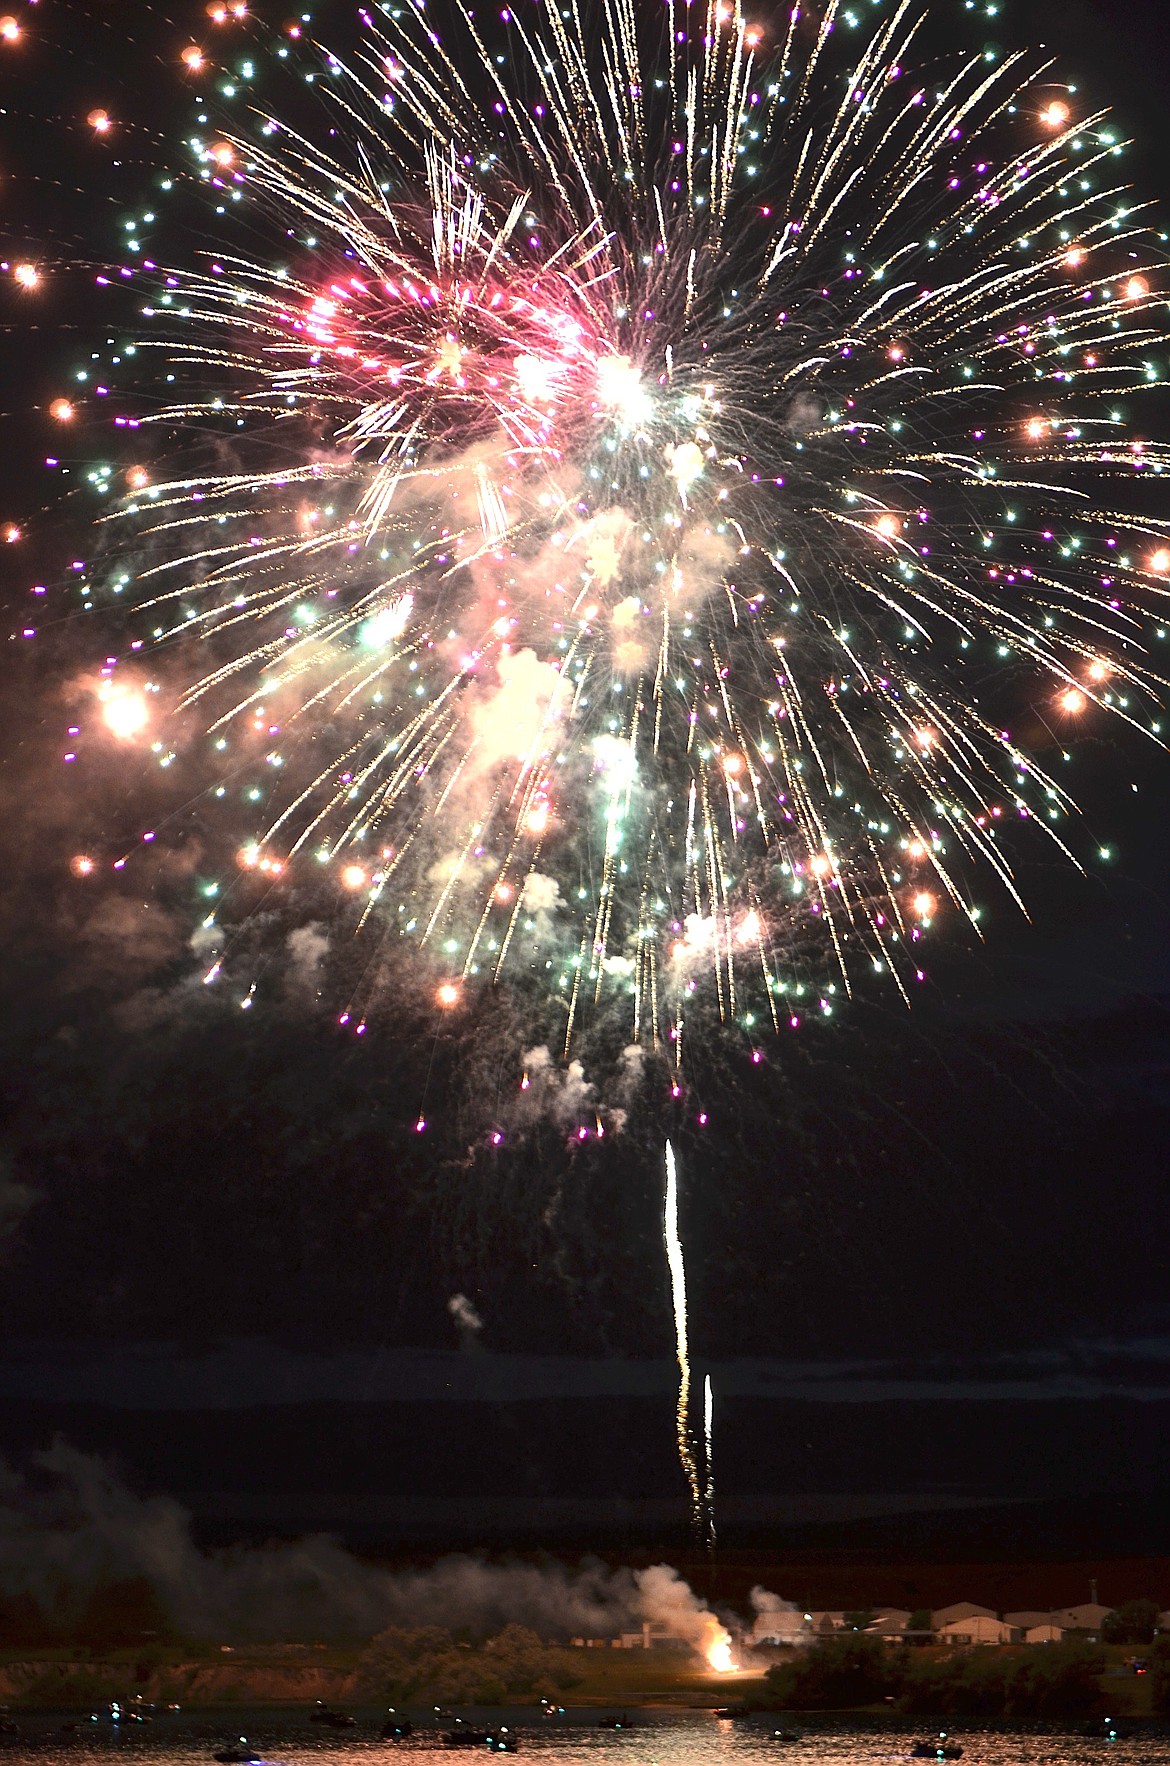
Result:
x=657 y=1738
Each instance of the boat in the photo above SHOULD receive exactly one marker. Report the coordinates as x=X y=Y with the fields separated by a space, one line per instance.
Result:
x=503 y=1742
x=396 y=1728
x=322 y=1713
x=787 y=1735
x=941 y=1749
x=465 y=1737
x=622 y=1722
x=237 y=1753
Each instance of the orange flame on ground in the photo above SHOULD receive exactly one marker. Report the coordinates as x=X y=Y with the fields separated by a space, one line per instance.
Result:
x=716 y=1647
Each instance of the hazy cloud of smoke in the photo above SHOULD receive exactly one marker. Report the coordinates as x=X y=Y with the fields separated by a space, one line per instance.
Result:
x=804 y=415
x=307 y=948
x=15 y=1201
x=506 y=720
x=73 y=1526
x=467 y=1320
x=602 y=540
x=541 y=900
x=788 y=1620
x=562 y=1094
x=664 y=1597
x=127 y=938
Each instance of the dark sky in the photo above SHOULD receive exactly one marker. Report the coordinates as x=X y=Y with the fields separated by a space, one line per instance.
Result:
x=942 y=1195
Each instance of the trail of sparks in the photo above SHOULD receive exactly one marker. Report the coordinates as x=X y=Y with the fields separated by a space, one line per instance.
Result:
x=653 y=533
x=709 y=1463
x=678 y=1294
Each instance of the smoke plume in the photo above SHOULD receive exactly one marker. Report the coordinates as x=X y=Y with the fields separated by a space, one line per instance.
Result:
x=69 y=1526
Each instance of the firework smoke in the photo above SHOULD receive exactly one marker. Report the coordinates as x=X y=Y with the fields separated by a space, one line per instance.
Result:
x=73 y=1527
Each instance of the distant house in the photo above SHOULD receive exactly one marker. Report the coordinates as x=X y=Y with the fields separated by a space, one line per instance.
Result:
x=824 y=1624
x=963 y=1609
x=890 y=1623
x=785 y=1626
x=1026 y=1620
x=1044 y=1632
x=653 y=1635
x=1164 y=1621
x=979 y=1627
x=1088 y=1618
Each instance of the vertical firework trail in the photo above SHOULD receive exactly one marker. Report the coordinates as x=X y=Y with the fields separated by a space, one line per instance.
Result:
x=678 y=1292
x=709 y=1461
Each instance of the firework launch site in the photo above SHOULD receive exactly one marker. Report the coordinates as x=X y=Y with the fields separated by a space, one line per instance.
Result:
x=584 y=863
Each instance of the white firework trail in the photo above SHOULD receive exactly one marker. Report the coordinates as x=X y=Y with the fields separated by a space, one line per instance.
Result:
x=678 y=1293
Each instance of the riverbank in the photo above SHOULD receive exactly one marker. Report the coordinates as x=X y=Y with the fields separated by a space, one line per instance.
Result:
x=292 y=1674
x=301 y=1674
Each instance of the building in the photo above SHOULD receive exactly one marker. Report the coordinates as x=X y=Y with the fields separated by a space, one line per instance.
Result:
x=890 y=1623
x=824 y=1624
x=1025 y=1621
x=1044 y=1632
x=784 y=1625
x=979 y=1627
x=1088 y=1618
x=962 y=1609
x=655 y=1634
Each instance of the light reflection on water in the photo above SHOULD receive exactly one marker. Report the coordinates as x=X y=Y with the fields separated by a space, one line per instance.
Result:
x=689 y=1738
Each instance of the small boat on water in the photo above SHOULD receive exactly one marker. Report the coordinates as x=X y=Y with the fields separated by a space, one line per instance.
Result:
x=323 y=1713
x=940 y=1749
x=496 y=1741
x=237 y=1753
x=787 y=1735
x=396 y=1728
x=622 y=1722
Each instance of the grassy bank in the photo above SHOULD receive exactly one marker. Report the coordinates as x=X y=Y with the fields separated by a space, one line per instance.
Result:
x=300 y=1674
x=285 y=1674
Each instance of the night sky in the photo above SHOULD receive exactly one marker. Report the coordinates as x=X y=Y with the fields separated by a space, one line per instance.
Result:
x=927 y=1250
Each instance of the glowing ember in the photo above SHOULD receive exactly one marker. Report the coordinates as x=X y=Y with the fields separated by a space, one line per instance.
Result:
x=125 y=712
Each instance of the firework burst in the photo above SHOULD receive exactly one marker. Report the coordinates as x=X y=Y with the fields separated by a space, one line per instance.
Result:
x=667 y=458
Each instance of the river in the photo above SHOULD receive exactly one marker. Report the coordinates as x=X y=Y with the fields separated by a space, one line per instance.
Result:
x=655 y=1738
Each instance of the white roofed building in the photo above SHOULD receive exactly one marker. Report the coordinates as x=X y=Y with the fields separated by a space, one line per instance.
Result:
x=977 y=1628
x=1090 y=1617
x=782 y=1625
x=890 y=1623
x=962 y=1609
